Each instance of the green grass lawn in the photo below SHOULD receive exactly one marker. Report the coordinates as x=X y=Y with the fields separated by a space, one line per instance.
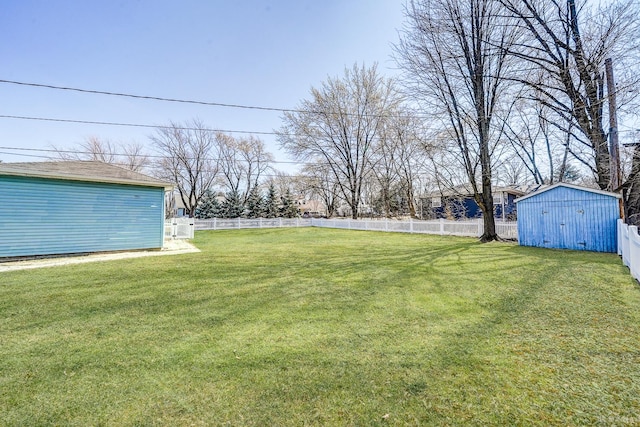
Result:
x=324 y=327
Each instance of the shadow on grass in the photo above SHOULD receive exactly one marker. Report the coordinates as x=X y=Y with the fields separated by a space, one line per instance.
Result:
x=282 y=324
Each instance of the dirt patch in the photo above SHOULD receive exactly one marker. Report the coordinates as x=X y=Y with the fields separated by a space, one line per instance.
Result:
x=171 y=247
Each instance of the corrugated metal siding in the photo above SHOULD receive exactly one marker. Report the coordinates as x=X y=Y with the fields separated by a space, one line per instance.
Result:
x=46 y=216
x=566 y=218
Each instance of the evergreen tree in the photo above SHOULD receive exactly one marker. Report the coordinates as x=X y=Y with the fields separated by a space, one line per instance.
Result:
x=288 y=208
x=254 y=208
x=271 y=203
x=208 y=207
x=232 y=206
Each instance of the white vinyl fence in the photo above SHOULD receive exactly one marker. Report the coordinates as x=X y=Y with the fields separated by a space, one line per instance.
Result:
x=629 y=247
x=179 y=228
x=471 y=228
x=231 y=223
x=507 y=229
x=182 y=228
x=442 y=227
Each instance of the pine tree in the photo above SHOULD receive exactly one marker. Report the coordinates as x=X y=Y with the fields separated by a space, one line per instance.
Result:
x=232 y=206
x=254 y=208
x=271 y=203
x=288 y=208
x=209 y=207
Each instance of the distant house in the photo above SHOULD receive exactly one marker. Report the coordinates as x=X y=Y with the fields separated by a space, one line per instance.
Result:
x=78 y=207
x=566 y=216
x=460 y=204
x=311 y=208
x=174 y=206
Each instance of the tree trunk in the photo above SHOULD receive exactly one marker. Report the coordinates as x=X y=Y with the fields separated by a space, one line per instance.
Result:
x=602 y=160
x=412 y=205
x=490 y=233
x=489 y=220
x=354 y=206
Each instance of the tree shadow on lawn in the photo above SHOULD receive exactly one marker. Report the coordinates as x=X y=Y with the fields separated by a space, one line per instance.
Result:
x=453 y=374
x=440 y=264
x=465 y=373
x=471 y=370
x=520 y=359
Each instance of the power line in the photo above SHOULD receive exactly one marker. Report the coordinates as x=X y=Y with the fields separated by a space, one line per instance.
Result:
x=148 y=126
x=207 y=103
x=262 y=175
x=210 y=103
x=219 y=104
x=153 y=98
x=84 y=152
x=152 y=156
x=197 y=102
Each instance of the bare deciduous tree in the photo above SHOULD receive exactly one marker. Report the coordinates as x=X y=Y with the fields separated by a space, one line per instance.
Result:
x=130 y=156
x=135 y=157
x=320 y=182
x=406 y=131
x=188 y=160
x=455 y=55
x=398 y=158
x=567 y=44
x=341 y=125
x=535 y=141
x=243 y=161
x=384 y=170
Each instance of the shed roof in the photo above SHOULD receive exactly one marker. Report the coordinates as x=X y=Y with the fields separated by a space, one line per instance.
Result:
x=77 y=170
x=572 y=186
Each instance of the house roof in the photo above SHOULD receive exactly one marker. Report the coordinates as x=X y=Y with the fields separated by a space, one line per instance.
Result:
x=466 y=190
x=572 y=186
x=76 y=170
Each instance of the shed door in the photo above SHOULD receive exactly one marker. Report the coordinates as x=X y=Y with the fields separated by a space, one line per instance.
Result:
x=564 y=226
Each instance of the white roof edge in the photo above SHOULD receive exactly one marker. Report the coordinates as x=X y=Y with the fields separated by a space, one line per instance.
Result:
x=573 y=186
x=67 y=177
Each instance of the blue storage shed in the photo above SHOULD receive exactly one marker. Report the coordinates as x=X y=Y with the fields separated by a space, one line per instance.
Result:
x=565 y=216
x=54 y=208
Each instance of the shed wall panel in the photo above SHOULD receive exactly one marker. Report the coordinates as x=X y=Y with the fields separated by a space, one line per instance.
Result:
x=47 y=217
x=566 y=218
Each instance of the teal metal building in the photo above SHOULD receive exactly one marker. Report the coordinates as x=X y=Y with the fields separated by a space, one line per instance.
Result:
x=68 y=207
x=565 y=216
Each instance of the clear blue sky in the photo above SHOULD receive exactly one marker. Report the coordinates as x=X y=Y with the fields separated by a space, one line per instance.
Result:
x=253 y=52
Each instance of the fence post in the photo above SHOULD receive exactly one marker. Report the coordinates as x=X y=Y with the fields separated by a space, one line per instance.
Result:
x=619 y=224
x=442 y=226
x=626 y=244
x=410 y=225
x=634 y=250
x=480 y=227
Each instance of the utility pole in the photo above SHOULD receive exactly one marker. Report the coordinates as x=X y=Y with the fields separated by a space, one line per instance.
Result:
x=614 y=160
